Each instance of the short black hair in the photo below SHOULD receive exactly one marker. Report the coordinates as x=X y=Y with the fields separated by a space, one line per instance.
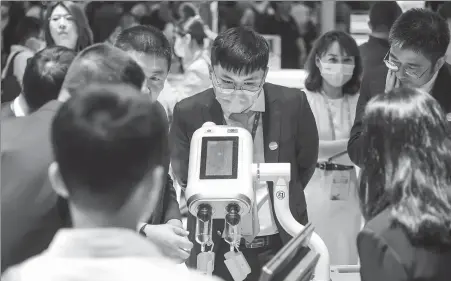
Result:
x=314 y=80
x=383 y=15
x=422 y=31
x=240 y=50
x=28 y=27
x=106 y=140
x=145 y=39
x=44 y=75
x=445 y=10
x=103 y=63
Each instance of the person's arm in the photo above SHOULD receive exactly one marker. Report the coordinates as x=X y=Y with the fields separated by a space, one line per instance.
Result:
x=329 y=148
x=179 y=145
x=307 y=140
x=378 y=261
x=355 y=142
x=171 y=210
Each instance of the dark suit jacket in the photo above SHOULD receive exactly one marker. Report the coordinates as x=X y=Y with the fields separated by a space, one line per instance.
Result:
x=373 y=52
x=6 y=111
x=373 y=83
x=31 y=211
x=288 y=121
x=386 y=253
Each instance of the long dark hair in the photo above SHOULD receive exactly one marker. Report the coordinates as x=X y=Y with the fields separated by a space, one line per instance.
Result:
x=85 y=37
x=406 y=139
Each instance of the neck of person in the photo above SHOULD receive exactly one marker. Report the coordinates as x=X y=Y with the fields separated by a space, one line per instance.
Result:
x=380 y=35
x=332 y=92
x=83 y=218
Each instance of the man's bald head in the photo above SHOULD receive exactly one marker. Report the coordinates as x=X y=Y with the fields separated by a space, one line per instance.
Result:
x=102 y=63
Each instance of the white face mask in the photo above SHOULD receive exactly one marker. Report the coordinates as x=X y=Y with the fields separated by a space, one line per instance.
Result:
x=336 y=74
x=179 y=47
x=236 y=102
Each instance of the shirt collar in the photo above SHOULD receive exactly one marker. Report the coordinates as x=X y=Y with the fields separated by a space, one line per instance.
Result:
x=17 y=109
x=101 y=242
x=429 y=85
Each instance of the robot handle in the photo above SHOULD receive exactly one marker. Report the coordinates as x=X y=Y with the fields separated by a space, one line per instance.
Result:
x=287 y=221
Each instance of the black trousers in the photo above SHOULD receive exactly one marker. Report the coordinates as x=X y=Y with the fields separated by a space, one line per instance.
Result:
x=256 y=257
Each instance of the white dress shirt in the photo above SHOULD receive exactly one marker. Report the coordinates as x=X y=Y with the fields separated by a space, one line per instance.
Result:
x=111 y=254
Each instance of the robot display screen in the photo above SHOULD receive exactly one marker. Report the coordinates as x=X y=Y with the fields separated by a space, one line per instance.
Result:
x=219 y=158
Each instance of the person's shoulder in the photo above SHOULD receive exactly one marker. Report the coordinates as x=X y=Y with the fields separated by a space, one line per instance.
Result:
x=193 y=102
x=382 y=228
x=20 y=131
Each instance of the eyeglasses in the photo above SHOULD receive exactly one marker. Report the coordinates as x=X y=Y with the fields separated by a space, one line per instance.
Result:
x=228 y=87
x=411 y=72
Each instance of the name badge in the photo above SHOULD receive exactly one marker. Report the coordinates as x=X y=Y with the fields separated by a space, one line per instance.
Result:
x=340 y=185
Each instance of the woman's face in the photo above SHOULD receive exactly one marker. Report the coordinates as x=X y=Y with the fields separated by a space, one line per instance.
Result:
x=63 y=28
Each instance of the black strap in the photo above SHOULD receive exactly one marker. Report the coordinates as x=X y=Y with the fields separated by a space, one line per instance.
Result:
x=254 y=125
x=10 y=70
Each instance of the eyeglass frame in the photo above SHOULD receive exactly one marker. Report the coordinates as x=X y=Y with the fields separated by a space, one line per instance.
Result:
x=388 y=62
x=215 y=77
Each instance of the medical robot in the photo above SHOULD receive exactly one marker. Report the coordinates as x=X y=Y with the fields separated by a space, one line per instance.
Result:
x=221 y=179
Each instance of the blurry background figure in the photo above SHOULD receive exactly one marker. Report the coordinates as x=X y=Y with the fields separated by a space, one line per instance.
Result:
x=42 y=81
x=332 y=86
x=342 y=17
x=382 y=16
x=445 y=12
x=27 y=41
x=278 y=20
x=189 y=45
x=66 y=25
x=12 y=14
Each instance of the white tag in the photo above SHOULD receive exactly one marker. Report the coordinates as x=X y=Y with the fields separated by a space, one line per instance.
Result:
x=339 y=183
x=237 y=265
x=206 y=262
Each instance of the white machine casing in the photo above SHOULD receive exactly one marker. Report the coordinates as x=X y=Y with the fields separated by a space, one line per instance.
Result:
x=216 y=192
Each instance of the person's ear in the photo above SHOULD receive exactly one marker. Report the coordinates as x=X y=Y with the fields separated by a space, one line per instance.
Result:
x=57 y=181
x=318 y=62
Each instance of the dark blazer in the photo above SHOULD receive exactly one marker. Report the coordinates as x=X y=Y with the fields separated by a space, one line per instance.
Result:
x=373 y=83
x=6 y=111
x=386 y=253
x=373 y=52
x=31 y=210
x=287 y=120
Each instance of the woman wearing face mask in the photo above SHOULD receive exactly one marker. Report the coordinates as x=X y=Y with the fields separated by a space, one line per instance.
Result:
x=66 y=25
x=332 y=85
x=189 y=43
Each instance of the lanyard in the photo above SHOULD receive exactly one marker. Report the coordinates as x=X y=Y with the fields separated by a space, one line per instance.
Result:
x=254 y=125
x=329 y=111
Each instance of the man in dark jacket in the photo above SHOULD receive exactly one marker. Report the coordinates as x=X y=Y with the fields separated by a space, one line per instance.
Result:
x=418 y=41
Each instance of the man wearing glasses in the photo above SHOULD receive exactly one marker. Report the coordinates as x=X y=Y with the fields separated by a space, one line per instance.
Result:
x=418 y=41
x=281 y=123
